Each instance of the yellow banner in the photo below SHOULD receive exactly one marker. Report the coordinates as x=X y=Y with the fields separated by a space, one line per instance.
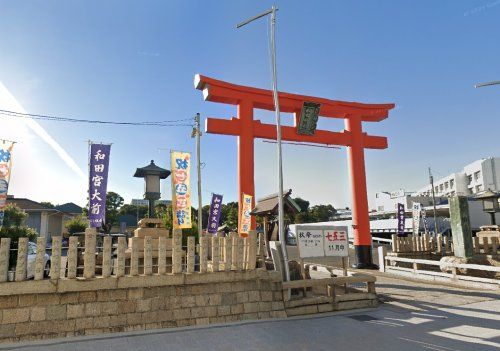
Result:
x=246 y=218
x=180 y=163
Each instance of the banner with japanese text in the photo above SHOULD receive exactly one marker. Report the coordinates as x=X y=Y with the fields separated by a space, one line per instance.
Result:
x=401 y=220
x=246 y=219
x=424 y=219
x=98 y=183
x=214 y=214
x=416 y=213
x=180 y=163
x=5 y=168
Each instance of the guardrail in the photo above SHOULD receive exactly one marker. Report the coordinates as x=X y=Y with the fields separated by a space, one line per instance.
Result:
x=374 y=238
x=417 y=270
x=145 y=256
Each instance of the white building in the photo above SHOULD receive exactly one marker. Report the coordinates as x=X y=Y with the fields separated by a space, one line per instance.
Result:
x=388 y=201
x=477 y=176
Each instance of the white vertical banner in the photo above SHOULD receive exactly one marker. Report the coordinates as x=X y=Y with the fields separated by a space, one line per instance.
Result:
x=416 y=213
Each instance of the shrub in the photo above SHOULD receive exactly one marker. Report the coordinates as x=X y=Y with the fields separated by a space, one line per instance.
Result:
x=76 y=225
x=13 y=229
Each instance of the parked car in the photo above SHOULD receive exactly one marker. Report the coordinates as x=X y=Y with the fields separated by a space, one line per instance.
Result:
x=30 y=269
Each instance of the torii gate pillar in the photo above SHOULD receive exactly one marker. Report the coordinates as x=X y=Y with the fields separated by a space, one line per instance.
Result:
x=360 y=218
x=246 y=128
x=246 y=184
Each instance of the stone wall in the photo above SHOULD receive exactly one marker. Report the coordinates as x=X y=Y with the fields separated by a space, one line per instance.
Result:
x=67 y=307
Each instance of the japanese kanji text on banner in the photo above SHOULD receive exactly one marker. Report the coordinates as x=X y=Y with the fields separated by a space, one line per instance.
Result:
x=416 y=213
x=246 y=219
x=214 y=214
x=98 y=183
x=401 y=219
x=181 y=191
x=5 y=167
x=321 y=241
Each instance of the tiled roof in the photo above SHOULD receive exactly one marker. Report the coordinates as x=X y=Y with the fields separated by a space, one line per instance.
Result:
x=70 y=207
x=269 y=204
x=28 y=205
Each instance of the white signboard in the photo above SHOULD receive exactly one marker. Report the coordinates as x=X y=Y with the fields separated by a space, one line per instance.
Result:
x=321 y=241
x=336 y=242
x=399 y=193
x=310 y=242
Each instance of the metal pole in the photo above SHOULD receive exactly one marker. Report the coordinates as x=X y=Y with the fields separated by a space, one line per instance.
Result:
x=479 y=85
x=281 y=223
x=198 y=165
x=281 y=229
x=431 y=180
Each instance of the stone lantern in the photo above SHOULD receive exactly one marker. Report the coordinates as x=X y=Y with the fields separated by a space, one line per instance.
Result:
x=152 y=175
x=490 y=203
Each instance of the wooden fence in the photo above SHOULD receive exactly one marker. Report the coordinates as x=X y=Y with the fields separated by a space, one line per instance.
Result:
x=439 y=245
x=154 y=256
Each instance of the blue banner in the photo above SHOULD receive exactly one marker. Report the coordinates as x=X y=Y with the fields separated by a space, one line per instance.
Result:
x=401 y=219
x=214 y=214
x=98 y=183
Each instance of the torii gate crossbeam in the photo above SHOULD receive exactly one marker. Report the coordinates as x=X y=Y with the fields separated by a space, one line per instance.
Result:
x=353 y=137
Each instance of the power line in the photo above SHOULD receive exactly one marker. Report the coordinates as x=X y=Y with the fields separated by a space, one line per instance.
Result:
x=166 y=123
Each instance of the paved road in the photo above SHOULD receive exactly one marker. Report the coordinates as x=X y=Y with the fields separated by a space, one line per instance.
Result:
x=414 y=316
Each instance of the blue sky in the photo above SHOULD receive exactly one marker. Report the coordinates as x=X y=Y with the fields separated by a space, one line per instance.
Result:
x=135 y=61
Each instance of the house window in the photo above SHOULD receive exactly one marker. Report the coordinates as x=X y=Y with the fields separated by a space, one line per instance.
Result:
x=469 y=178
x=446 y=185
x=479 y=188
x=452 y=193
x=477 y=175
x=436 y=189
x=441 y=187
x=452 y=182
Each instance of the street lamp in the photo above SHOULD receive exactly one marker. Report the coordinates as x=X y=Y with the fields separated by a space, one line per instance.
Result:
x=152 y=175
x=490 y=203
x=274 y=71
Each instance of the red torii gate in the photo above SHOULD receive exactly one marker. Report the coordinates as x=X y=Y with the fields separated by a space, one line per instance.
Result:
x=353 y=137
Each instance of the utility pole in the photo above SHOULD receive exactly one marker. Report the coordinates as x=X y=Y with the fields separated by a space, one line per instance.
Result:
x=431 y=180
x=197 y=134
x=281 y=222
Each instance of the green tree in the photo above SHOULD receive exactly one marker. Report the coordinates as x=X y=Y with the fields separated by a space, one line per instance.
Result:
x=229 y=215
x=14 y=229
x=47 y=204
x=76 y=224
x=133 y=210
x=322 y=213
x=205 y=213
x=113 y=202
x=303 y=204
x=167 y=217
x=13 y=216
